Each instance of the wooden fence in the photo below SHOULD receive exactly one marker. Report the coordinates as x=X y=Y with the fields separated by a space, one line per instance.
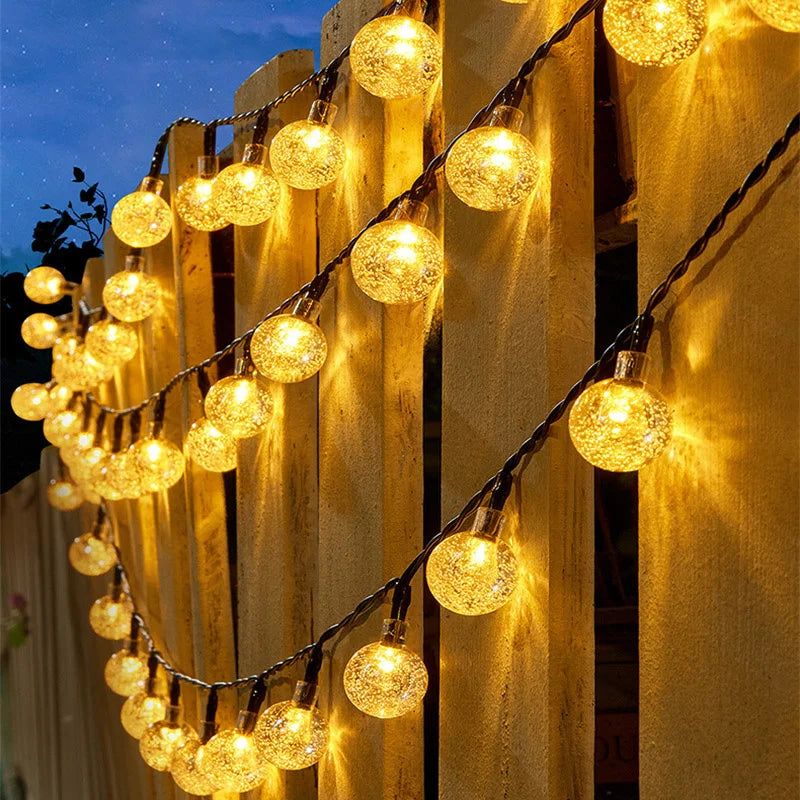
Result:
x=329 y=503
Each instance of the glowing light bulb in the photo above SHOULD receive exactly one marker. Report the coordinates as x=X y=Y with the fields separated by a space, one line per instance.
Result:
x=82 y=461
x=101 y=479
x=473 y=572
x=64 y=495
x=385 y=679
x=781 y=14
x=288 y=348
x=131 y=295
x=161 y=463
x=162 y=739
x=240 y=405
x=232 y=760
x=40 y=331
x=188 y=768
x=75 y=367
x=247 y=193
x=621 y=424
x=142 y=218
x=293 y=734
x=397 y=56
x=209 y=448
x=655 y=33
x=91 y=555
x=59 y=427
x=194 y=201
x=45 y=285
x=140 y=710
x=123 y=475
x=399 y=260
x=493 y=167
x=110 y=615
x=308 y=154
x=59 y=397
x=31 y=401
x=112 y=343
x=126 y=671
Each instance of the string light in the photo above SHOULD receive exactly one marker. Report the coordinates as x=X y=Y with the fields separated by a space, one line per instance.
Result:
x=194 y=202
x=64 y=495
x=31 y=401
x=59 y=397
x=493 y=167
x=131 y=295
x=247 y=193
x=188 y=769
x=59 y=427
x=621 y=424
x=126 y=670
x=45 y=285
x=141 y=710
x=288 y=348
x=397 y=56
x=209 y=448
x=160 y=463
x=231 y=759
x=781 y=14
x=309 y=154
x=111 y=343
x=239 y=405
x=91 y=553
x=124 y=475
x=40 y=331
x=75 y=367
x=101 y=478
x=399 y=260
x=293 y=734
x=110 y=615
x=474 y=572
x=83 y=462
x=142 y=218
x=655 y=33
x=162 y=739
x=385 y=679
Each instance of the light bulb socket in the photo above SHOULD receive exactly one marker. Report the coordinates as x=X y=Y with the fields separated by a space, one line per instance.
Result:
x=322 y=112
x=131 y=646
x=243 y=367
x=507 y=117
x=134 y=263
x=246 y=721
x=488 y=523
x=254 y=154
x=306 y=308
x=173 y=715
x=393 y=632
x=152 y=185
x=413 y=211
x=207 y=729
x=305 y=694
x=632 y=365
x=207 y=166
x=409 y=8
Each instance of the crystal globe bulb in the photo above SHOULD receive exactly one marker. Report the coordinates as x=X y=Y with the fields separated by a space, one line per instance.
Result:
x=91 y=555
x=288 y=348
x=161 y=740
x=83 y=462
x=398 y=261
x=126 y=671
x=293 y=734
x=76 y=447
x=209 y=448
x=397 y=56
x=621 y=424
x=493 y=167
x=308 y=154
x=59 y=427
x=31 y=401
x=131 y=295
x=75 y=367
x=64 y=495
x=231 y=759
x=247 y=193
x=59 y=397
x=240 y=405
x=40 y=331
x=188 y=769
x=112 y=343
x=781 y=14
x=194 y=202
x=110 y=615
x=100 y=479
x=161 y=463
x=123 y=475
x=473 y=572
x=141 y=710
x=655 y=33
x=142 y=218
x=45 y=285
x=385 y=679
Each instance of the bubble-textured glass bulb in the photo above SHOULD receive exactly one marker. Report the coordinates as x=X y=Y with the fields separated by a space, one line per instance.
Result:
x=493 y=167
x=59 y=427
x=91 y=555
x=397 y=56
x=45 y=285
x=123 y=474
x=209 y=448
x=308 y=154
x=31 y=401
x=100 y=479
x=142 y=218
x=288 y=348
x=385 y=679
x=188 y=769
x=161 y=740
x=621 y=424
x=655 y=33
x=232 y=760
x=247 y=193
x=140 y=710
x=59 y=397
x=240 y=405
x=399 y=260
x=161 y=463
x=83 y=462
x=473 y=572
x=40 y=330
x=131 y=295
x=293 y=734
x=110 y=617
x=781 y=14
x=194 y=201
x=75 y=367
x=112 y=343
x=64 y=495
x=126 y=671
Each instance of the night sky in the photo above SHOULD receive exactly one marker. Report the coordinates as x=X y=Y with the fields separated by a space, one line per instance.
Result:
x=94 y=84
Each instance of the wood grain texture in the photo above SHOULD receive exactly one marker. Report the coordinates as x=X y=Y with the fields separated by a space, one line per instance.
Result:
x=718 y=518
x=516 y=694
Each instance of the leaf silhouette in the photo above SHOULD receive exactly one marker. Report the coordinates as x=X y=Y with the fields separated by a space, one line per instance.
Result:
x=79 y=174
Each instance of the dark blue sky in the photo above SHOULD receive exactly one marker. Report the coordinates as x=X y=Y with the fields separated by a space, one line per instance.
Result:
x=94 y=84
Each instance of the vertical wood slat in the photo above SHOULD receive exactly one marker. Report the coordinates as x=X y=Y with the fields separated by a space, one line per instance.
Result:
x=370 y=430
x=718 y=517
x=516 y=693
